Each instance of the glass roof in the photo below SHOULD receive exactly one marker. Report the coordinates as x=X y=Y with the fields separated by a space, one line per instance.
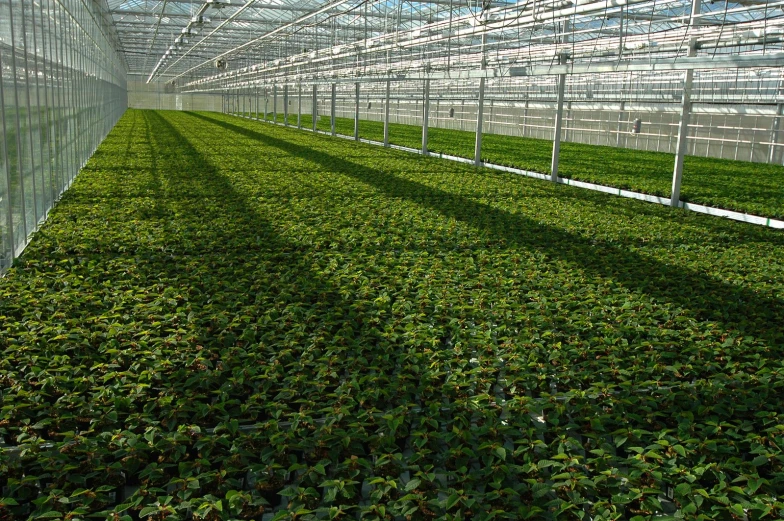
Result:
x=211 y=44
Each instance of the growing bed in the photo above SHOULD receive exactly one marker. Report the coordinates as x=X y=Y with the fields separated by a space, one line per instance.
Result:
x=233 y=320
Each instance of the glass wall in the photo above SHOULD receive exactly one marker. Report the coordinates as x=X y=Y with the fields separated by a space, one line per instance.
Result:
x=62 y=88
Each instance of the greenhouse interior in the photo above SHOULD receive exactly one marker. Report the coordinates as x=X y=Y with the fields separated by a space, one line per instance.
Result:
x=392 y=260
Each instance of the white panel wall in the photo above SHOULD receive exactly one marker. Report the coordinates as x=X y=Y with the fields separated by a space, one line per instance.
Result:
x=157 y=96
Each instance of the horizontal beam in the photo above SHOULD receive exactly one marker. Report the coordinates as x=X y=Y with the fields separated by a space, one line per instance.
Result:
x=235 y=25
x=673 y=64
x=292 y=9
x=681 y=63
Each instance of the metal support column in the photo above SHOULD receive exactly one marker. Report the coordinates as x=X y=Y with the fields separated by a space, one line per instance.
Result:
x=480 y=111
x=683 y=133
x=775 y=153
x=559 y=107
x=558 y=124
x=425 y=116
x=46 y=163
x=356 y=111
x=274 y=103
x=37 y=203
x=621 y=110
x=683 y=125
x=17 y=123
x=332 y=110
x=286 y=105
x=314 y=108
x=480 y=116
x=620 y=33
x=266 y=103
x=386 y=116
x=299 y=105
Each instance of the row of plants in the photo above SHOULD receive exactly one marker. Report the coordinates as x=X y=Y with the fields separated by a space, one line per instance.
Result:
x=224 y=319
x=742 y=186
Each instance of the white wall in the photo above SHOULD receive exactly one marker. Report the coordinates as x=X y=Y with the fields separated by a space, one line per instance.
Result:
x=155 y=95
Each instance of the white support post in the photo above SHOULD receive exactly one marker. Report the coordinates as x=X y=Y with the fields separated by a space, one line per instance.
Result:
x=266 y=104
x=480 y=111
x=314 y=107
x=683 y=133
x=683 y=124
x=274 y=103
x=480 y=116
x=525 y=119
x=775 y=154
x=299 y=106
x=386 y=116
x=286 y=105
x=566 y=27
x=621 y=111
x=557 y=129
x=620 y=34
x=332 y=110
x=425 y=116
x=256 y=95
x=356 y=112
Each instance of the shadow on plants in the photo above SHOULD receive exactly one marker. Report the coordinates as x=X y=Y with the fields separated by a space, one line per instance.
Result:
x=217 y=363
x=195 y=317
x=734 y=306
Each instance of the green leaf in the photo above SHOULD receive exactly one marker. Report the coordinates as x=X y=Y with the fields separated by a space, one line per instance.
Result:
x=738 y=510
x=755 y=483
x=413 y=484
